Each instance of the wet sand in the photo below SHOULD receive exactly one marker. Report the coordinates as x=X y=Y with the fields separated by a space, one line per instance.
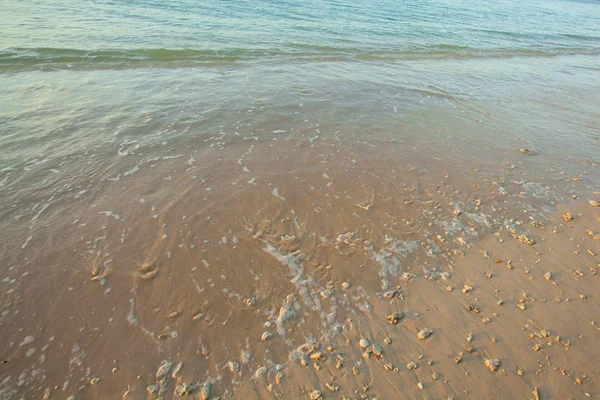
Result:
x=260 y=263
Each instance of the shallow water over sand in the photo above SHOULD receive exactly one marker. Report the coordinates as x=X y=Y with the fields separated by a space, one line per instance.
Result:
x=255 y=213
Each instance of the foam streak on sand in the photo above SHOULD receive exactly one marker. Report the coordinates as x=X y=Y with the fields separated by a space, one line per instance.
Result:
x=133 y=320
x=293 y=262
x=110 y=214
x=276 y=194
x=26 y=242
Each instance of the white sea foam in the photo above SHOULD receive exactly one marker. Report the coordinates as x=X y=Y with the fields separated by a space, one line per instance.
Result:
x=276 y=194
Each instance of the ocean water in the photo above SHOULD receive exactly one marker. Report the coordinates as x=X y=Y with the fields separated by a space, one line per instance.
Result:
x=152 y=32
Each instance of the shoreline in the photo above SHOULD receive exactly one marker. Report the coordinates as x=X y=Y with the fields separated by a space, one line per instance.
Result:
x=236 y=279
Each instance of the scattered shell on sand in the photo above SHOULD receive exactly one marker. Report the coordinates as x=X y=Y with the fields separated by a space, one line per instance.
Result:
x=424 y=333
x=332 y=387
x=459 y=357
x=233 y=366
x=278 y=377
x=493 y=364
x=377 y=350
x=327 y=294
x=316 y=395
x=590 y=232
x=266 y=336
x=392 y=294
x=526 y=240
x=408 y=276
x=472 y=308
x=197 y=317
x=146 y=267
x=470 y=337
x=176 y=374
x=364 y=343
x=287 y=310
x=152 y=389
x=568 y=217
x=412 y=365
x=260 y=372
x=467 y=288
x=205 y=391
x=183 y=389
x=163 y=369
x=594 y=203
x=387 y=340
x=545 y=333
x=250 y=301
x=306 y=348
x=394 y=318
x=548 y=276
x=345 y=285
x=149 y=275
x=526 y=151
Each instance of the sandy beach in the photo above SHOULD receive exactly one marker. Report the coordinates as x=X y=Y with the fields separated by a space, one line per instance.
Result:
x=316 y=200
x=301 y=268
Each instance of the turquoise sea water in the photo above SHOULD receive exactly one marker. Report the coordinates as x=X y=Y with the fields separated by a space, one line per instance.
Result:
x=81 y=74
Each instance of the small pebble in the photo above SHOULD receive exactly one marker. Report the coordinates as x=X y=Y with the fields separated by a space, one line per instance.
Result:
x=493 y=364
x=424 y=333
x=95 y=381
x=27 y=340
